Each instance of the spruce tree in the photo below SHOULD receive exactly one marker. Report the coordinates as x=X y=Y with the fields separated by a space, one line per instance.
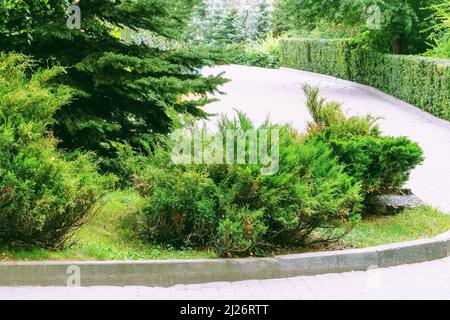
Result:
x=263 y=19
x=231 y=30
x=128 y=62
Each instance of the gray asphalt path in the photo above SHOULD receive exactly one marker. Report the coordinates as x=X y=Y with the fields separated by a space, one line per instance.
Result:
x=277 y=93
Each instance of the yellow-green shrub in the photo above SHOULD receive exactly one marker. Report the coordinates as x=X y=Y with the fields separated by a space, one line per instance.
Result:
x=44 y=197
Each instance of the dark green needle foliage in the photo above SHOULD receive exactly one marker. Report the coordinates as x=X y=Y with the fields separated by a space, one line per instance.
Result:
x=128 y=63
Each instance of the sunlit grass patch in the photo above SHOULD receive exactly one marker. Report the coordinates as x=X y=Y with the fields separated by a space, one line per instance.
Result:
x=422 y=222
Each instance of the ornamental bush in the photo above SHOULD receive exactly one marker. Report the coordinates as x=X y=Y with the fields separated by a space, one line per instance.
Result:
x=238 y=210
x=423 y=82
x=181 y=207
x=382 y=164
x=44 y=197
x=263 y=53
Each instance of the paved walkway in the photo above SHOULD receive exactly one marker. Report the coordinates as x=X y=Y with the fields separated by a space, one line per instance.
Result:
x=278 y=94
x=430 y=280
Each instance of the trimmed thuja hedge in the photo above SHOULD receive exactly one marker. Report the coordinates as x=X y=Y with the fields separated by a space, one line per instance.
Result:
x=423 y=82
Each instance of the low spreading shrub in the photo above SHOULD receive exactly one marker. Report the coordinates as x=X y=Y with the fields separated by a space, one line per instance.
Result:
x=182 y=207
x=316 y=193
x=241 y=230
x=382 y=164
x=424 y=82
x=44 y=197
x=239 y=210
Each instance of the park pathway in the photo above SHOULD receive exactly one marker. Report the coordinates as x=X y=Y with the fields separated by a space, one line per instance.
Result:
x=429 y=280
x=277 y=93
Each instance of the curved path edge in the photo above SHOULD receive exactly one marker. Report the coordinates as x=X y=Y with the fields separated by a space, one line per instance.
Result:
x=172 y=272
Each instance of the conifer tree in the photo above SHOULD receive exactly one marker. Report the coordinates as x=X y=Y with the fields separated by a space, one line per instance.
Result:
x=128 y=62
x=231 y=30
x=263 y=19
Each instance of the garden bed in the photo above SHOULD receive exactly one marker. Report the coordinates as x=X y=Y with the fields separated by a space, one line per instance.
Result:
x=109 y=236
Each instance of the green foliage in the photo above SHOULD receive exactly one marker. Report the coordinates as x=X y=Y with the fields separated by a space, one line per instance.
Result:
x=129 y=65
x=230 y=30
x=318 y=55
x=263 y=53
x=402 y=21
x=44 y=198
x=181 y=206
x=228 y=25
x=398 y=75
x=263 y=20
x=240 y=230
x=440 y=36
x=382 y=164
x=237 y=209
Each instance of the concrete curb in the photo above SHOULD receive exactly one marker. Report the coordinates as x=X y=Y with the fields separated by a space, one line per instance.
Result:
x=168 y=273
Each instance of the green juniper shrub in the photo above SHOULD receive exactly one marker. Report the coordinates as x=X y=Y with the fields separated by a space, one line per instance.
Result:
x=440 y=35
x=236 y=208
x=181 y=204
x=181 y=207
x=382 y=164
x=44 y=196
x=240 y=230
x=309 y=191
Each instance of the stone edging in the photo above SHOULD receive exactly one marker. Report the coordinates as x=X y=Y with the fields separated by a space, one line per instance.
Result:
x=167 y=273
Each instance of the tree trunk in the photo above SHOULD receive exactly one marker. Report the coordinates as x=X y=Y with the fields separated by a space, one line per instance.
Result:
x=396 y=44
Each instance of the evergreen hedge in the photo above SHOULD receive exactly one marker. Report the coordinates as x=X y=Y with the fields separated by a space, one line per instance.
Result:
x=423 y=82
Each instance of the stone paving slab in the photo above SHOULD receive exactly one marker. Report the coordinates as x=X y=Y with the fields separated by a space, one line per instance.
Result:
x=429 y=280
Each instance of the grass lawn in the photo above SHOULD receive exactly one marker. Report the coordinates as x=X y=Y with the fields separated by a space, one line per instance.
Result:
x=109 y=235
x=422 y=222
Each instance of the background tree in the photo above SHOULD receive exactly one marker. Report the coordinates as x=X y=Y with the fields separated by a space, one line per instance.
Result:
x=126 y=87
x=263 y=19
x=402 y=21
x=440 y=37
x=232 y=27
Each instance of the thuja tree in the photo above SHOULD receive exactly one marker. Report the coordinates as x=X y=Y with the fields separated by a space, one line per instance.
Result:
x=128 y=63
x=263 y=19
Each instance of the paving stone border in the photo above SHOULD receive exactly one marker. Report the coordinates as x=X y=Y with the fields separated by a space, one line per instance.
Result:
x=168 y=273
